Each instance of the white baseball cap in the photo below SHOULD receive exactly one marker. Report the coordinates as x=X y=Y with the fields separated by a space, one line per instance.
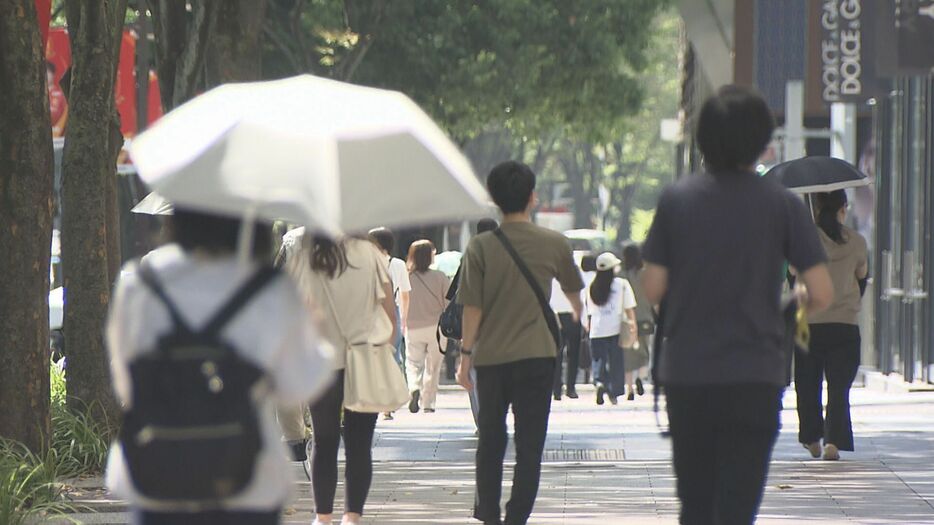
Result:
x=607 y=261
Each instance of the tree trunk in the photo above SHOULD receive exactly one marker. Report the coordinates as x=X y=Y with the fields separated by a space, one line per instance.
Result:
x=89 y=234
x=25 y=227
x=181 y=41
x=575 y=175
x=234 y=49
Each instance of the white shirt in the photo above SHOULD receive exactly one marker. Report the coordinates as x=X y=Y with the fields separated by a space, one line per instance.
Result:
x=274 y=331
x=605 y=320
x=559 y=300
x=399 y=275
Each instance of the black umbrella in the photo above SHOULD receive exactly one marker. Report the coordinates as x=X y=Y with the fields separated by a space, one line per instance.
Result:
x=818 y=175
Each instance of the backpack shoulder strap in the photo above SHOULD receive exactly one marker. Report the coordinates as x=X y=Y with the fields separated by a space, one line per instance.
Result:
x=542 y=301
x=149 y=278
x=232 y=307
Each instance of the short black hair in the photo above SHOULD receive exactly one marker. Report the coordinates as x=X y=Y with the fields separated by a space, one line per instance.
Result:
x=383 y=238
x=511 y=184
x=486 y=225
x=734 y=128
x=217 y=234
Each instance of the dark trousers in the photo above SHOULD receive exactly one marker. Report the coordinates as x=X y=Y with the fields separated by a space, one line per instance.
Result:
x=217 y=517
x=834 y=354
x=526 y=385
x=570 y=340
x=358 y=444
x=722 y=438
x=608 y=366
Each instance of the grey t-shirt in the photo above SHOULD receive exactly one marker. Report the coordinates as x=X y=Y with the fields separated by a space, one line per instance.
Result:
x=724 y=240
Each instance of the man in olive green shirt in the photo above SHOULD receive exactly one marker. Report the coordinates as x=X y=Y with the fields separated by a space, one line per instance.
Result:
x=507 y=339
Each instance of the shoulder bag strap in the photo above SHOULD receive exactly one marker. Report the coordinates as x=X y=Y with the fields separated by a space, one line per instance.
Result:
x=235 y=304
x=543 y=303
x=440 y=301
x=455 y=283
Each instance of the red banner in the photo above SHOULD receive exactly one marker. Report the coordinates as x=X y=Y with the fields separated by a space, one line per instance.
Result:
x=58 y=59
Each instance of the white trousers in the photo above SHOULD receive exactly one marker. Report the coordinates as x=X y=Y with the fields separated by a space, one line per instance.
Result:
x=423 y=364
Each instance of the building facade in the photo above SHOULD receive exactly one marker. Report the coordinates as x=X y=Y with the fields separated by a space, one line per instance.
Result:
x=878 y=58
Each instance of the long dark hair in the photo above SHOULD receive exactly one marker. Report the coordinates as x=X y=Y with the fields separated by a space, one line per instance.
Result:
x=328 y=257
x=828 y=207
x=600 y=289
x=632 y=258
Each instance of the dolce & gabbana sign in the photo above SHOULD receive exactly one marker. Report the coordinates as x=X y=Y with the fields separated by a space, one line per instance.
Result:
x=846 y=51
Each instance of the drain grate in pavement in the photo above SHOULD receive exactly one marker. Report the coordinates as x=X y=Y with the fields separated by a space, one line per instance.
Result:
x=586 y=454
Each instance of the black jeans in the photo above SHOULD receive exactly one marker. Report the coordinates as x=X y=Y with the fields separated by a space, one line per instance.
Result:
x=526 y=385
x=570 y=340
x=722 y=438
x=834 y=353
x=217 y=517
x=358 y=444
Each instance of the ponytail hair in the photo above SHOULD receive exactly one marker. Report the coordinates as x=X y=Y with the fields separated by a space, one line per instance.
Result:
x=600 y=289
x=828 y=207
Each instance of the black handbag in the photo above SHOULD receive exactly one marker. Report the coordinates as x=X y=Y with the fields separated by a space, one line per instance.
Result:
x=450 y=324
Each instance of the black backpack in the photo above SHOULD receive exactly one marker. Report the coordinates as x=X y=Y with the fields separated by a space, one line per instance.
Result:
x=192 y=433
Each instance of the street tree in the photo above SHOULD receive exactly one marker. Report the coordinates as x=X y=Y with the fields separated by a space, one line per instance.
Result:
x=531 y=66
x=202 y=44
x=25 y=227
x=90 y=236
x=506 y=78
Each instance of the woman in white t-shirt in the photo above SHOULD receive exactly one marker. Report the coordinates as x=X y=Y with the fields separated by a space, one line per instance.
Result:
x=349 y=284
x=611 y=306
x=272 y=330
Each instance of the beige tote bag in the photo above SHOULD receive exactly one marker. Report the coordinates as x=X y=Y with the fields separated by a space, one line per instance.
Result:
x=373 y=381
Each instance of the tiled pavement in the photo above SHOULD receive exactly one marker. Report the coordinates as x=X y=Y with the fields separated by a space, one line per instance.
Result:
x=609 y=465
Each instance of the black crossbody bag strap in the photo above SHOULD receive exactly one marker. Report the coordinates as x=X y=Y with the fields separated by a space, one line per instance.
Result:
x=542 y=301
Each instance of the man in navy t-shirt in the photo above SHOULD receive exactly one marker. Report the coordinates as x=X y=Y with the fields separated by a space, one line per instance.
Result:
x=715 y=252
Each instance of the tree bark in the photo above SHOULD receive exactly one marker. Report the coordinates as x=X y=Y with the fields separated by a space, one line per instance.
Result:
x=181 y=41
x=89 y=236
x=25 y=227
x=234 y=49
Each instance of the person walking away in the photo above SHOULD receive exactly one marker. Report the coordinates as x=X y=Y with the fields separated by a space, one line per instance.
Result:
x=715 y=252
x=427 y=302
x=636 y=356
x=835 y=339
x=588 y=269
x=570 y=343
x=257 y=327
x=509 y=340
x=349 y=280
x=611 y=306
x=385 y=240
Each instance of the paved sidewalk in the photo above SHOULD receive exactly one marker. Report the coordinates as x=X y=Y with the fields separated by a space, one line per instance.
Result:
x=609 y=465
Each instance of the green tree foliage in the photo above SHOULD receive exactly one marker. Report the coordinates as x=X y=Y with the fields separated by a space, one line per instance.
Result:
x=531 y=66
